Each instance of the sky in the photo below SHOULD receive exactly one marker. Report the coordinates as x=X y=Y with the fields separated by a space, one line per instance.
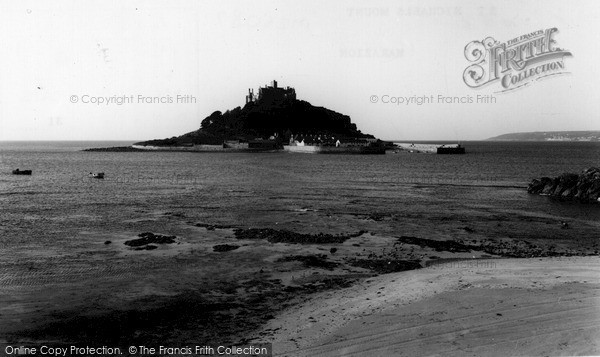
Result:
x=172 y=63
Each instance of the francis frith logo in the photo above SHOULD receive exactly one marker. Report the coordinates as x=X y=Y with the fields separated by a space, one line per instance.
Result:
x=515 y=63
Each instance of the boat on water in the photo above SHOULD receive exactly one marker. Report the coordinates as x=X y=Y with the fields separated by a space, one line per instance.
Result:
x=455 y=149
x=21 y=172
x=99 y=175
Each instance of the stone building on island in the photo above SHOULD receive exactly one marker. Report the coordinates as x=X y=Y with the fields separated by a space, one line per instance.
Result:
x=271 y=94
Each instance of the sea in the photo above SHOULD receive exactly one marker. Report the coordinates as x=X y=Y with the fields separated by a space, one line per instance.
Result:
x=56 y=221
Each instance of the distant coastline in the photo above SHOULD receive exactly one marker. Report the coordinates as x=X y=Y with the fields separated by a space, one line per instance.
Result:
x=587 y=135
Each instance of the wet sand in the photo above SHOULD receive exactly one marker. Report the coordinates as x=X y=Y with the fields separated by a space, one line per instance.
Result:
x=217 y=283
x=532 y=306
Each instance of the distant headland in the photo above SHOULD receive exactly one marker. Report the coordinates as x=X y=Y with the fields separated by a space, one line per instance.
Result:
x=588 y=135
x=272 y=119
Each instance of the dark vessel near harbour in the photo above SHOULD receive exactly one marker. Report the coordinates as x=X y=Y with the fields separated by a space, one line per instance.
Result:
x=458 y=149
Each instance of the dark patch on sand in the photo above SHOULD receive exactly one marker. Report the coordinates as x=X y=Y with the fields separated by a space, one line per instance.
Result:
x=377 y=217
x=145 y=320
x=284 y=236
x=150 y=238
x=225 y=247
x=385 y=266
x=311 y=261
x=218 y=313
x=212 y=227
x=439 y=246
x=512 y=248
x=322 y=283
x=145 y=247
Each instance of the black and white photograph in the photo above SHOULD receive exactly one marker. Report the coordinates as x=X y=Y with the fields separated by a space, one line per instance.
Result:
x=299 y=178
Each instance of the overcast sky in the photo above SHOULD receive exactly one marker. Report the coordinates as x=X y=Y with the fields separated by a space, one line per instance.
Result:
x=337 y=54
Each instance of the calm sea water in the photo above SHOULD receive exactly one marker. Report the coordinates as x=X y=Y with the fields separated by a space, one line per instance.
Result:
x=59 y=200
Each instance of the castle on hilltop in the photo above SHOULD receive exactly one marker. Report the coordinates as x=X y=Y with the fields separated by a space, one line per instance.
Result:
x=271 y=94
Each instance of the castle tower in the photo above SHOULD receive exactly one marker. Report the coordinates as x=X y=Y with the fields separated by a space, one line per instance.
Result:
x=271 y=93
x=250 y=95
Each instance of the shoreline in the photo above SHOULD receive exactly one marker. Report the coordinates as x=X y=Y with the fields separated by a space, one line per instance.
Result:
x=239 y=279
x=358 y=150
x=410 y=313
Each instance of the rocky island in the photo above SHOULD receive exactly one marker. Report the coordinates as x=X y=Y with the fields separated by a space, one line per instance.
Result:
x=583 y=187
x=271 y=120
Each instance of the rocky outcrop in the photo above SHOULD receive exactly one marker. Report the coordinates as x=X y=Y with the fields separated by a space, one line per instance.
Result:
x=285 y=236
x=147 y=239
x=311 y=261
x=584 y=187
x=225 y=247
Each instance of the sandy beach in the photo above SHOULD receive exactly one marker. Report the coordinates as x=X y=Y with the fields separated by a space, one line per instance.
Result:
x=309 y=293
x=499 y=307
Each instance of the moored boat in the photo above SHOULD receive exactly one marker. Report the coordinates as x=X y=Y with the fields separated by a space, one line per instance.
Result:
x=21 y=172
x=457 y=149
x=99 y=175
